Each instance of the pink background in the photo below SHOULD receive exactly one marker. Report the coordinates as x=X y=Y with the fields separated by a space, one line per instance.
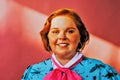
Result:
x=21 y=21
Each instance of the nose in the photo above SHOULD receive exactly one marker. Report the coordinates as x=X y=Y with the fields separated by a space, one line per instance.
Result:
x=62 y=36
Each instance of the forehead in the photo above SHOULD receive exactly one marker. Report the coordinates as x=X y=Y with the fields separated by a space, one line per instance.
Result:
x=62 y=21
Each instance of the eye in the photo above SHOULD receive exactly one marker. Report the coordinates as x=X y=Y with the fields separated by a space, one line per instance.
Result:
x=70 y=31
x=55 y=32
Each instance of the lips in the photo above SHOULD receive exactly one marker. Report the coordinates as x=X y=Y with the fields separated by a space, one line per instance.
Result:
x=63 y=44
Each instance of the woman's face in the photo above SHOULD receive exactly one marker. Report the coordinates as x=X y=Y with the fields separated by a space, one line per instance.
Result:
x=63 y=37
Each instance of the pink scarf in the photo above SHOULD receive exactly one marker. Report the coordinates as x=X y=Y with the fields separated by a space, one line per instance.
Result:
x=63 y=73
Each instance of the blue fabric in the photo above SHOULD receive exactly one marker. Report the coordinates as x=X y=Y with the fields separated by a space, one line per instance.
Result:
x=88 y=69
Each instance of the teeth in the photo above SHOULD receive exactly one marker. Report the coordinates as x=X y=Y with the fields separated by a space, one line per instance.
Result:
x=62 y=44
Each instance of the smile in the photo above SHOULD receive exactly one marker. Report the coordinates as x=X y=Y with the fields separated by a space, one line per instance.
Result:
x=63 y=44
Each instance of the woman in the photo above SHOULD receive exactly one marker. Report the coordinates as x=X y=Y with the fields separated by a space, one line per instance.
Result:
x=64 y=35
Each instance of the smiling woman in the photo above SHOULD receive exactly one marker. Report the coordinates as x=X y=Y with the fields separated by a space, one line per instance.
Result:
x=64 y=36
x=61 y=40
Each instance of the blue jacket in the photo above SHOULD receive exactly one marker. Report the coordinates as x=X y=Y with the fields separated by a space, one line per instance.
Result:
x=88 y=69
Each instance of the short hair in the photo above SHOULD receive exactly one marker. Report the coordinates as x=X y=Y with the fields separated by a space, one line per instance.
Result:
x=84 y=35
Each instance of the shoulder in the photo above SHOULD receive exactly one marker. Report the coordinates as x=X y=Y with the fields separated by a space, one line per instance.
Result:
x=97 y=67
x=91 y=60
x=95 y=64
x=40 y=69
x=43 y=64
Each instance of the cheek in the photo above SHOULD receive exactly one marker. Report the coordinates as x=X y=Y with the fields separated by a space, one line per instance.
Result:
x=52 y=39
x=75 y=38
x=75 y=41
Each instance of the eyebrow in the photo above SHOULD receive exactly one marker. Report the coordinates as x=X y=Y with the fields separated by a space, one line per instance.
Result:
x=71 y=28
x=54 y=28
x=67 y=28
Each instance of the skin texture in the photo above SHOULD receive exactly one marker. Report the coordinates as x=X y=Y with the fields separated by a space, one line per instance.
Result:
x=63 y=38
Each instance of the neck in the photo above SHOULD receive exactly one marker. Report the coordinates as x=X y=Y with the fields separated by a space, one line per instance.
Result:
x=64 y=60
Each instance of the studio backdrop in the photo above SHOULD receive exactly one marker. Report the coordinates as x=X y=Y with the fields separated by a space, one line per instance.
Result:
x=22 y=20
